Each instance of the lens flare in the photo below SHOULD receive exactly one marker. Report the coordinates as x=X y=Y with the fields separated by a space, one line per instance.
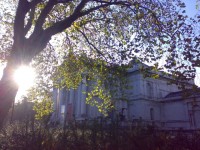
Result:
x=24 y=76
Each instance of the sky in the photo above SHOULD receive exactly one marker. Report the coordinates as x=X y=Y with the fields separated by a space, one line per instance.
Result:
x=191 y=9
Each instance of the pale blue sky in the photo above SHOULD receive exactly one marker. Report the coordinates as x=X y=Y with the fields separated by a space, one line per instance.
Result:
x=191 y=9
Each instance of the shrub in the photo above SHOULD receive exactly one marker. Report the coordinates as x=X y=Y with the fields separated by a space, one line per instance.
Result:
x=96 y=134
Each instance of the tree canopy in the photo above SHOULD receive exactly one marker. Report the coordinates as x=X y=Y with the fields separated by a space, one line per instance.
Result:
x=108 y=31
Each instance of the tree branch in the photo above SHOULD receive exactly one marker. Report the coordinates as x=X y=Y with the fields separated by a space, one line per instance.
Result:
x=29 y=24
x=43 y=15
x=67 y=22
x=106 y=4
x=22 y=9
x=80 y=6
x=92 y=45
x=33 y=3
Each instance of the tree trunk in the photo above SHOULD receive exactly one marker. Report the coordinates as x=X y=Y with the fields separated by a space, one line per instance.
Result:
x=21 y=54
x=8 y=91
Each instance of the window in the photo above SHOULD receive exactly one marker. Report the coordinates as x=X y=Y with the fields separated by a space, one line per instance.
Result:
x=62 y=109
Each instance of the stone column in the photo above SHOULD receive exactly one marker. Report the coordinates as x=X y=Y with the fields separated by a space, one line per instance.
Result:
x=62 y=106
x=59 y=103
x=55 y=104
x=83 y=99
x=71 y=98
x=78 y=105
x=69 y=106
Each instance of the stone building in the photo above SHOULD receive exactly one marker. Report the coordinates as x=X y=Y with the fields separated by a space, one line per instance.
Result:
x=149 y=100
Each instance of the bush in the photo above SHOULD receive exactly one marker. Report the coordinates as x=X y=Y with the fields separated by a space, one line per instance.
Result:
x=93 y=135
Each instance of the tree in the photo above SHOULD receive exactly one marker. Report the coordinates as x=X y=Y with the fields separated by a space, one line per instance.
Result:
x=114 y=31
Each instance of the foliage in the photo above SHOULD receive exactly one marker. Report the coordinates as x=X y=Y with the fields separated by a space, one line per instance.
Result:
x=112 y=31
x=102 y=79
x=43 y=109
x=45 y=65
x=43 y=104
x=41 y=92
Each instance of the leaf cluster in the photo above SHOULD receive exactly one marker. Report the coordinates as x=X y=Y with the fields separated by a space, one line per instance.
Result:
x=103 y=80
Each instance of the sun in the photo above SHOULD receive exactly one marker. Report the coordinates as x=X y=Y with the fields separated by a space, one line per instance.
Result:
x=24 y=76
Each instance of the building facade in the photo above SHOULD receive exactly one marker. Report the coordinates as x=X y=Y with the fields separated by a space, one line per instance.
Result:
x=150 y=101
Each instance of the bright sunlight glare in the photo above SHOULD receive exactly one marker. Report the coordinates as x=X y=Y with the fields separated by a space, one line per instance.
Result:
x=24 y=76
